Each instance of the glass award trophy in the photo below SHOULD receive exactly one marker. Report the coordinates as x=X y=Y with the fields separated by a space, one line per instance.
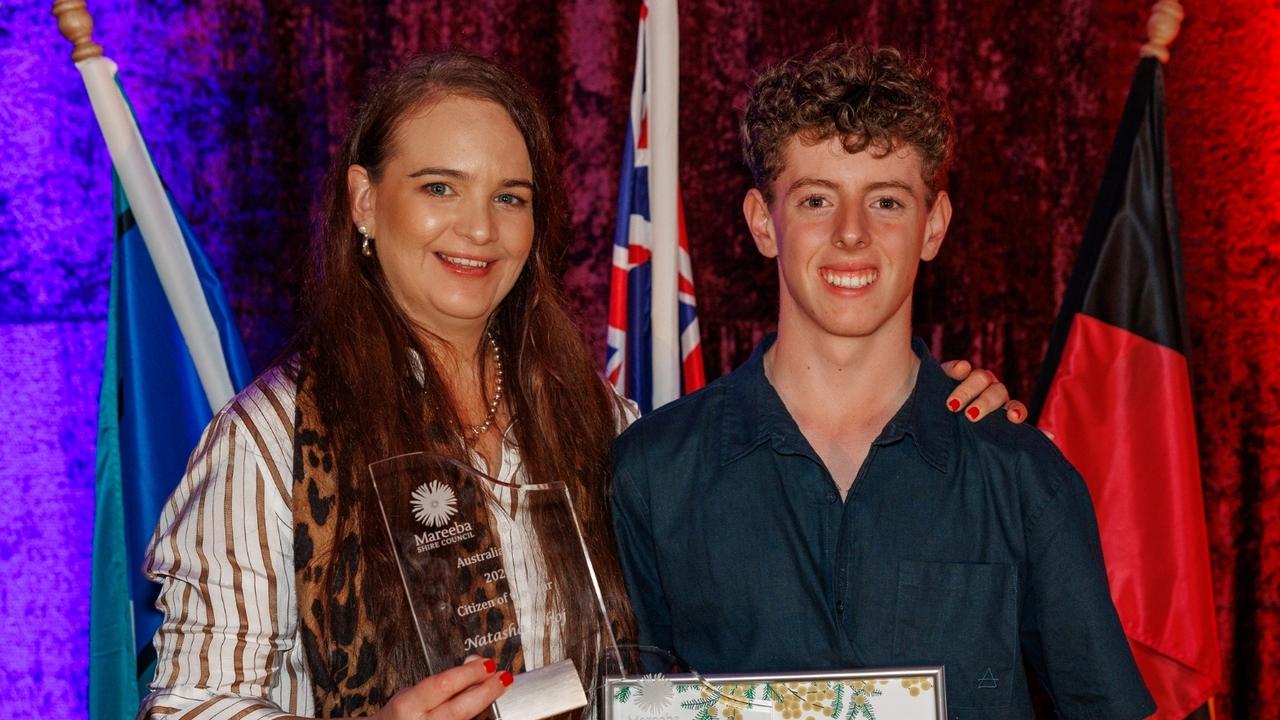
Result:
x=497 y=571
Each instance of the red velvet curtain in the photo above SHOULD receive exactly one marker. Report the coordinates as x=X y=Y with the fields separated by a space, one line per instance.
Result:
x=1036 y=87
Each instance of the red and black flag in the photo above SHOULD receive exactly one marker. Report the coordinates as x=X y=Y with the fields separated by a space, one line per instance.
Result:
x=1115 y=391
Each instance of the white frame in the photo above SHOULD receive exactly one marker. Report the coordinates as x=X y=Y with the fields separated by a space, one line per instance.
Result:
x=934 y=673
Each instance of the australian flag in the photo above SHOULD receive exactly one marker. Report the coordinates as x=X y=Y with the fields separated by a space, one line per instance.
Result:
x=655 y=354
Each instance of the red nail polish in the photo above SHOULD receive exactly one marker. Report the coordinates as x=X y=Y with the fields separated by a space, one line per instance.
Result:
x=490 y=666
x=505 y=678
x=954 y=404
x=972 y=413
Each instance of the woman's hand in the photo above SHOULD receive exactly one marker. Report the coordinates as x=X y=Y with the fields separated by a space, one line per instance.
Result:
x=979 y=393
x=457 y=694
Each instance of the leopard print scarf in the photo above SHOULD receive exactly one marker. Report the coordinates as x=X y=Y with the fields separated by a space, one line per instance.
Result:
x=349 y=673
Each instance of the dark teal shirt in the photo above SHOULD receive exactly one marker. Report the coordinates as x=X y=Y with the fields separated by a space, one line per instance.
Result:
x=968 y=545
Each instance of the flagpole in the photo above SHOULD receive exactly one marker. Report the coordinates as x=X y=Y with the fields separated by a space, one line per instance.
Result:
x=76 y=25
x=1162 y=28
x=664 y=142
x=149 y=202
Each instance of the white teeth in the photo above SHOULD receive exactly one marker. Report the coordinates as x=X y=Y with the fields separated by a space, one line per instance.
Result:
x=463 y=262
x=850 y=280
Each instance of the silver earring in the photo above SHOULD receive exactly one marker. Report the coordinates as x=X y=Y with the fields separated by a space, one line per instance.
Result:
x=366 y=243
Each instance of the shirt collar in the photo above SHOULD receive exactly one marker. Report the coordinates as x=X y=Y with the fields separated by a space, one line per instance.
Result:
x=755 y=414
x=924 y=416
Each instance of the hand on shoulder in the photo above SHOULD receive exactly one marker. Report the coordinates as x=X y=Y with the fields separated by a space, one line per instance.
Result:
x=980 y=393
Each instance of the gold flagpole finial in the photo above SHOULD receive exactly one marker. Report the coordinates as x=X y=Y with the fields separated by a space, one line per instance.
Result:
x=76 y=24
x=1162 y=28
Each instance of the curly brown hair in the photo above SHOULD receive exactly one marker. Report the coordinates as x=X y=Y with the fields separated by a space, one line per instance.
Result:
x=875 y=100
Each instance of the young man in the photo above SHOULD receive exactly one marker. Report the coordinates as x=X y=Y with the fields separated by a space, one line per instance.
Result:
x=819 y=507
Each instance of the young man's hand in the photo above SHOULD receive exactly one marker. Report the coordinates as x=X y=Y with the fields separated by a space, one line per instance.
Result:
x=980 y=392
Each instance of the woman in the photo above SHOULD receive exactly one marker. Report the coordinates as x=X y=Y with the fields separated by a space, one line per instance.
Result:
x=434 y=321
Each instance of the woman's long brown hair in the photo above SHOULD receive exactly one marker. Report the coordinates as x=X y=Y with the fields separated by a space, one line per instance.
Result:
x=356 y=345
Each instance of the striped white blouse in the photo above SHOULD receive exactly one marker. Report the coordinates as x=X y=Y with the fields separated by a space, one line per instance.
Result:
x=222 y=552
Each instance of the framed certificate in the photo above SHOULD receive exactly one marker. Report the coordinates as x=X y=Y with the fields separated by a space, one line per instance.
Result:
x=917 y=693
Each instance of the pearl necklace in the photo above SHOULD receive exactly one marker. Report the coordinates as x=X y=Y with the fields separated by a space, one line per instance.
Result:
x=482 y=428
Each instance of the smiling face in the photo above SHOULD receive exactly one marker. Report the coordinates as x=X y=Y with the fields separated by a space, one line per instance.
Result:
x=849 y=232
x=451 y=214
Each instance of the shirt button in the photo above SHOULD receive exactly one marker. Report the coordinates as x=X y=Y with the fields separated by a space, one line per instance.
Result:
x=839 y=607
x=832 y=498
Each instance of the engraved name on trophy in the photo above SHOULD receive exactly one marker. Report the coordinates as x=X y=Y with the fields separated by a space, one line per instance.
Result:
x=474 y=560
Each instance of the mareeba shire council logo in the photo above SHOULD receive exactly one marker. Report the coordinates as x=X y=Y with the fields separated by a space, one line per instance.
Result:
x=434 y=503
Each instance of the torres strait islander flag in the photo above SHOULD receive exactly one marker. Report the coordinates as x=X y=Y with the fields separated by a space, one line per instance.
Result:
x=655 y=352
x=173 y=357
x=1115 y=391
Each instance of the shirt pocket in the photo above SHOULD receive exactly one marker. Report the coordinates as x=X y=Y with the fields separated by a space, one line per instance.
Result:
x=962 y=616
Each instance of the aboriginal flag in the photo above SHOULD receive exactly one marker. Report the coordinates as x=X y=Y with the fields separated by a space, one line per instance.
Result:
x=1116 y=393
